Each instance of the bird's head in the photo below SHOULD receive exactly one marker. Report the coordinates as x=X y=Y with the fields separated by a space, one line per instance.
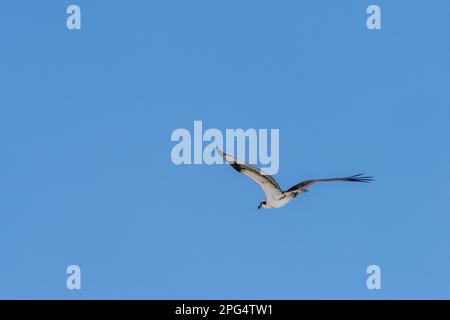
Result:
x=262 y=204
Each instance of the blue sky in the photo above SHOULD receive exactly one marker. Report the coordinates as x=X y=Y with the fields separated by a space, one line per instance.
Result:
x=86 y=176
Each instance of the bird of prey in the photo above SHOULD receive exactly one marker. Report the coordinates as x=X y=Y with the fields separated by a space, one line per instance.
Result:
x=275 y=196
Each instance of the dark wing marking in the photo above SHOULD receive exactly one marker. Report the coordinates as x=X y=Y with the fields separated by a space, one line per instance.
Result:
x=307 y=183
x=266 y=182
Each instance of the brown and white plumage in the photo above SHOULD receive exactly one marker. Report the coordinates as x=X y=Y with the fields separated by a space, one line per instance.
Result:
x=275 y=196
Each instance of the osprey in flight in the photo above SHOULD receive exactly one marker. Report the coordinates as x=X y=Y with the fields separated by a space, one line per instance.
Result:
x=275 y=197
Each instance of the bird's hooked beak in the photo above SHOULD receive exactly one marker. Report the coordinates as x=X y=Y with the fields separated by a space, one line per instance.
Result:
x=259 y=207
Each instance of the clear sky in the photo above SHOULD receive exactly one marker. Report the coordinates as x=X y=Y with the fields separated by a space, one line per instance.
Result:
x=86 y=176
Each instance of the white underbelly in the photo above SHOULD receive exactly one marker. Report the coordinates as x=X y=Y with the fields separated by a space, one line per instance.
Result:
x=277 y=203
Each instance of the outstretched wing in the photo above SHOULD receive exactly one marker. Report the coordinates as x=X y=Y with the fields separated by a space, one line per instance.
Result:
x=307 y=183
x=265 y=181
